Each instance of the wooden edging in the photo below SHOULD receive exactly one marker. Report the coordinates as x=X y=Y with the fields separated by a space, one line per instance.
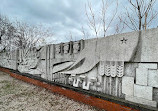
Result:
x=78 y=96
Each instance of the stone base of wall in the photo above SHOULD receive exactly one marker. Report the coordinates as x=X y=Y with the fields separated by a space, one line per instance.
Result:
x=95 y=99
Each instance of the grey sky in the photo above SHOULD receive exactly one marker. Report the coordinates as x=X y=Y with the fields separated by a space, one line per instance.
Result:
x=63 y=15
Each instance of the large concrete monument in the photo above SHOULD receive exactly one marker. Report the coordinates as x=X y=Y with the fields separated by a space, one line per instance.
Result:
x=123 y=65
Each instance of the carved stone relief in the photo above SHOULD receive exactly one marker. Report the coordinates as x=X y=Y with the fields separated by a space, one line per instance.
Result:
x=112 y=73
x=112 y=68
x=99 y=66
x=76 y=47
x=58 y=48
x=107 y=68
x=66 y=48
x=30 y=61
x=60 y=78
x=120 y=69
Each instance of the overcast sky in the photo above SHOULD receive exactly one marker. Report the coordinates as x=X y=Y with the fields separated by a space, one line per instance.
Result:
x=64 y=16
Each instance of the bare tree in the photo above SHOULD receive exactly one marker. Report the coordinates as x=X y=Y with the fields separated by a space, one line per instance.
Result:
x=28 y=36
x=22 y=35
x=92 y=19
x=140 y=15
x=69 y=36
x=2 y=27
x=106 y=21
x=101 y=21
x=6 y=32
x=120 y=26
x=85 y=33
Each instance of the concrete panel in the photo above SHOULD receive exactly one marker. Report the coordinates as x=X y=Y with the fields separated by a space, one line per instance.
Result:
x=128 y=85
x=155 y=94
x=119 y=47
x=149 y=49
x=52 y=51
x=130 y=69
x=43 y=52
x=148 y=65
x=153 y=78
x=141 y=101
x=108 y=48
x=145 y=92
x=88 y=58
x=141 y=76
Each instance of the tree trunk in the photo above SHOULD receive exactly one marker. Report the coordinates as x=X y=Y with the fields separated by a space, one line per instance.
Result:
x=145 y=24
x=140 y=21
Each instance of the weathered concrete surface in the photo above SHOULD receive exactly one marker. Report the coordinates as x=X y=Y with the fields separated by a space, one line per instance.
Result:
x=61 y=67
x=121 y=47
x=141 y=101
x=141 y=76
x=16 y=95
x=153 y=78
x=145 y=83
x=149 y=49
x=109 y=48
x=145 y=92
x=128 y=85
x=97 y=64
x=148 y=65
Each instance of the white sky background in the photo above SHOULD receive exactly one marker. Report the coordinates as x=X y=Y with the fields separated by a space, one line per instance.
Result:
x=62 y=15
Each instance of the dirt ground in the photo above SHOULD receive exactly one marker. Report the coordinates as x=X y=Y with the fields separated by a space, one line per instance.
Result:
x=16 y=95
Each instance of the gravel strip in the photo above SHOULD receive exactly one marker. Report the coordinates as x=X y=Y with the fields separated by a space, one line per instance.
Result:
x=16 y=95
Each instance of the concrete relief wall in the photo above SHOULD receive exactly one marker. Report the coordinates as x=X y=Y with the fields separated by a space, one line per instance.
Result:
x=118 y=65
x=32 y=61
